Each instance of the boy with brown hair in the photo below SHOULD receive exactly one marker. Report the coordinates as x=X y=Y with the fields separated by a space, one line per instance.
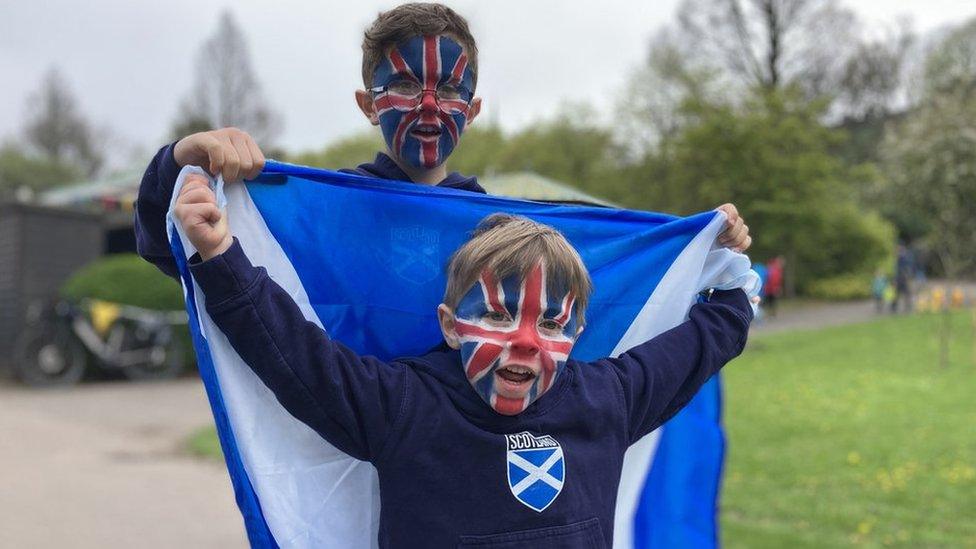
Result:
x=496 y=438
x=420 y=71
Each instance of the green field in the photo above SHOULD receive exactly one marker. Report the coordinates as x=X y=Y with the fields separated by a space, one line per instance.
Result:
x=847 y=436
x=852 y=436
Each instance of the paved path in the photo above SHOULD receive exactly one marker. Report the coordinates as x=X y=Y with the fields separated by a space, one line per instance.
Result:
x=816 y=315
x=101 y=466
x=819 y=315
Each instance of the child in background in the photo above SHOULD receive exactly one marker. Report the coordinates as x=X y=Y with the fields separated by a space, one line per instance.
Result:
x=878 y=286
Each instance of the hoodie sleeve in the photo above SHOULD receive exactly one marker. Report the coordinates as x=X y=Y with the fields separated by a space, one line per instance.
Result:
x=351 y=401
x=659 y=377
x=152 y=203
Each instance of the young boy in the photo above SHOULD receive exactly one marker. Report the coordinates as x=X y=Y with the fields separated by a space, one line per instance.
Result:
x=420 y=71
x=495 y=438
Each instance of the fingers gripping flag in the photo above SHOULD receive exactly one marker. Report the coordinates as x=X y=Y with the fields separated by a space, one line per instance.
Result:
x=365 y=259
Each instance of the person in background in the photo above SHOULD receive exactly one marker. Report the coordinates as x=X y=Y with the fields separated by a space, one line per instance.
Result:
x=773 y=285
x=878 y=286
x=763 y=273
x=904 y=276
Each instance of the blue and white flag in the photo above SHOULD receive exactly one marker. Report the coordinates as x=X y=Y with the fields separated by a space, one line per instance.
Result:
x=364 y=259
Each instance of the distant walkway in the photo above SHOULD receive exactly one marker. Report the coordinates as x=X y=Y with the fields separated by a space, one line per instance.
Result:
x=807 y=316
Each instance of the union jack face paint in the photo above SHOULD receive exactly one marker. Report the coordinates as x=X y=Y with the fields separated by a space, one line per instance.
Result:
x=516 y=335
x=424 y=133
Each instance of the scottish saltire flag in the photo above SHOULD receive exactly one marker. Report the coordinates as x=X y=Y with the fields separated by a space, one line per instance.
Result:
x=364 y=258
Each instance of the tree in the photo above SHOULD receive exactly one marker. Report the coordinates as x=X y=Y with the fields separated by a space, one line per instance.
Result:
x=930 y=157
x=873 y=75
x=650 y=109
x=225 y=91
x=772 y=44
x=771 y=157
x=344 y=153
x=930 y=160
x=479 y=152
x=56 y=130
x=190 y=124
x=950 y=68
x=19 y=170
x=572 y=147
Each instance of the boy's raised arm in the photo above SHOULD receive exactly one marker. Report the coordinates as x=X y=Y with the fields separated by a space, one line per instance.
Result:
x=351 y=401
x=660 y=376
x=151 y=205
x=228 y=151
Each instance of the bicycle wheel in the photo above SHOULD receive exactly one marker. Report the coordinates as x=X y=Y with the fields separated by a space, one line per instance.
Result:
x=50 y=356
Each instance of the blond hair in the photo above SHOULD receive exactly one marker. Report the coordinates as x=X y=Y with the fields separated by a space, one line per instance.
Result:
x=508 y=244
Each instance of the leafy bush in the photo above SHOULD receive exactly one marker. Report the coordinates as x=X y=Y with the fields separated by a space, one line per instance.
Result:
x=129 y=279
x=841 y=287
x=125 y=278
x=844 y=246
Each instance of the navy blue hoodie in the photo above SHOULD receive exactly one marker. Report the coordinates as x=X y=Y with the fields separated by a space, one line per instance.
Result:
x=444 y=457
x=158 y=181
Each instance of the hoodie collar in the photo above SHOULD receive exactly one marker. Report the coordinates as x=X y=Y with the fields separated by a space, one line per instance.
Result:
x=385 y=168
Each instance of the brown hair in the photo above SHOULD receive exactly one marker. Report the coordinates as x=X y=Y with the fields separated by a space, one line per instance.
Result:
x=508 y=244
x=415 y=19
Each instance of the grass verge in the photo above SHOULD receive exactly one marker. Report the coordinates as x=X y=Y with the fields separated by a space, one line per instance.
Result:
x=852 y=436
x=204 y=443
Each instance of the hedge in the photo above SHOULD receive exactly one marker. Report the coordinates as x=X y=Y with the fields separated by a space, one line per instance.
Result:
x=125 y=278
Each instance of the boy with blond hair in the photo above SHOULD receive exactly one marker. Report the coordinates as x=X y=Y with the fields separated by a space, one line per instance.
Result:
x=496 y=438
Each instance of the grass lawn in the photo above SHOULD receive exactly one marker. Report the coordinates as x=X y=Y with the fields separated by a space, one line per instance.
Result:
x=847 y=436
x=852 y=436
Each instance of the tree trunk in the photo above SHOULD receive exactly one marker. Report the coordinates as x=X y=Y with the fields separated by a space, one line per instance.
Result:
x=945 y=333
x=773 y=28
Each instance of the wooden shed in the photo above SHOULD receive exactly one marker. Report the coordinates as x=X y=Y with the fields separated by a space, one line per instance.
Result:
x=40 y=247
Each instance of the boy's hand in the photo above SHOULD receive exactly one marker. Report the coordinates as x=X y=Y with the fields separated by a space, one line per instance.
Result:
x=736 y=233
x=227 y=151
x=203 y=222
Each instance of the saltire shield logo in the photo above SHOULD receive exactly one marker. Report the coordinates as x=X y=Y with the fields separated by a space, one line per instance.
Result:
x=536 y=469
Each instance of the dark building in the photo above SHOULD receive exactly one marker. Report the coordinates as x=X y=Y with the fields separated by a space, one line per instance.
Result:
x=39 y=249
x=42 y=245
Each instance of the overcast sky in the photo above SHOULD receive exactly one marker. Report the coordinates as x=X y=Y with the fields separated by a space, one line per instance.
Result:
x=129 y=63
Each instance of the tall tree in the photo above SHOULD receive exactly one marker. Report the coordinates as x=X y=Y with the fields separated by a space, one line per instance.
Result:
x=19 y=170
x=226 y=91
x=950 y=67
x=650 y=109
x=930 y=158
x=57 y=130
x=771 y=157
x=771 y=43
x=873 y=75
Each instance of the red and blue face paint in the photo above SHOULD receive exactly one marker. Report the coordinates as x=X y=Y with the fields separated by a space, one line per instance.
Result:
x=424 y=130
x=516 y=335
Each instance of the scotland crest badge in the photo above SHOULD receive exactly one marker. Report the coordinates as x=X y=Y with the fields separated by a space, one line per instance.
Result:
x=536 y=469
x=414 y=253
